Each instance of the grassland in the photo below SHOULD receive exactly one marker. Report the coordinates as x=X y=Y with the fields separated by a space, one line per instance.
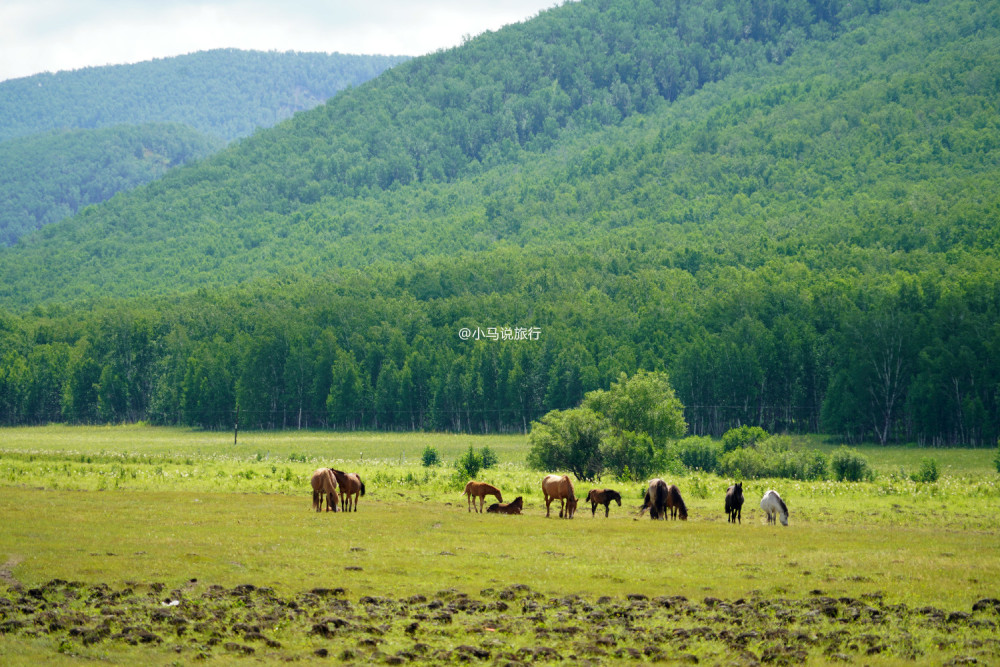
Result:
x=102 y=526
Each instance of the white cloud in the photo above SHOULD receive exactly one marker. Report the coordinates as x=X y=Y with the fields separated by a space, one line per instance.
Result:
x=52 y=35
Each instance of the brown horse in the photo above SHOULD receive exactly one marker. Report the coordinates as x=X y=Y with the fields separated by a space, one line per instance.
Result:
x=324 y=483
x=603 y=497
x=559 y=487
x=350 y=485
x=480 y=490
x=675 y=503
x=514 y=507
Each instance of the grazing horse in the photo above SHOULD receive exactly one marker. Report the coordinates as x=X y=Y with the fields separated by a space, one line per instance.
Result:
x=559 y=487
x=350 y=485
x=774 y=507
x=734 y=503
x=514 y=507
x=324 y=483
x=480 y=490
x=603 y=497
x=676 y=503
x=655 y=499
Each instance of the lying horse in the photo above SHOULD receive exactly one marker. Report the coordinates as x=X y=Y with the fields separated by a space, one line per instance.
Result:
x=734 y=503
x=559 y=487
x=655 y=499
x=603 y=497
x=324 y=483
x=514 y=507
x=774 y=507
x=480 y=490
x=350 y=485
x=676 y=503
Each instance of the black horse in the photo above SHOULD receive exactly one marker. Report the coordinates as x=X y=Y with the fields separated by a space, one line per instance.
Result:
x=734 y=503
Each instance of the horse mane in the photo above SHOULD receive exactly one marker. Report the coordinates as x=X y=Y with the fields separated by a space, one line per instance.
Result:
x=781 y=502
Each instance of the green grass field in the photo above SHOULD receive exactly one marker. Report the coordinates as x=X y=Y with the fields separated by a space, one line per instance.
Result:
x=141 y=509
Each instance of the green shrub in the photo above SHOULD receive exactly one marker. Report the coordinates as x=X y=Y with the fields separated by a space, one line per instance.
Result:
x=850 y=465
x=488 y=457
x=430 y=457
x=743 y=437
x=996 y=459
x=469 y=464
x=773 y=458
x=629 y=456
x=928 y=471
x=698 y=453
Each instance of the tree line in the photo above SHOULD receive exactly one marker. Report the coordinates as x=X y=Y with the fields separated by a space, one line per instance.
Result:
x=888 y=358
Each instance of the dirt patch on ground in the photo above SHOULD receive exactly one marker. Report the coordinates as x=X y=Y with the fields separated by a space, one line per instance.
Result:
x=510 y=626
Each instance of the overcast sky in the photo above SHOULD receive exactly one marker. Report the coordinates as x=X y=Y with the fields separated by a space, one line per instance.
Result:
x=53 y=35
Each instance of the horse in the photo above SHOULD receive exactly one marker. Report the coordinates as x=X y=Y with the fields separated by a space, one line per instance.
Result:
x=480 y=490
x=676 y=503
x=514 y=507
x=734 y=503
x=774 y=507
x=603 y=497
x=655 y=499
x=559 y=487
x=350 y=485
x=324 y=483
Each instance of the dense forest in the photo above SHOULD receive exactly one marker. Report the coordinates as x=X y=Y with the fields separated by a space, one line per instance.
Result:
x=797 y=223
x=224 y=93
x=49 y=176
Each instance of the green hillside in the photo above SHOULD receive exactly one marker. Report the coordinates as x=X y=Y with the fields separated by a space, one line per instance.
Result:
x=47 y=177
x=225 y=93
x=789 y=208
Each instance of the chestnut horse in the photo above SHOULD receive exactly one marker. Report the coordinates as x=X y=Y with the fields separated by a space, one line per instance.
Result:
x=603 y=497
x=324 y=483
x=480 y=490
x=734 y=503
x=350 y=485
x=559 y=487
x=507 y=508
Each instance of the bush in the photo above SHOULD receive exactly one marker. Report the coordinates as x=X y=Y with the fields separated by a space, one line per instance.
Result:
x=630 y=456
x=996 y=459
x=430 y=457
x=773 y=458
x=743 y=437
x=488 y=457
x=469 y=465
x=928 y=471
x=850 y=465
x=698 y=453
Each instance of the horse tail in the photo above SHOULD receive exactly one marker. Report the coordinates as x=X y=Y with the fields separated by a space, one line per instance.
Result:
x=316 y=500
x=362 y=486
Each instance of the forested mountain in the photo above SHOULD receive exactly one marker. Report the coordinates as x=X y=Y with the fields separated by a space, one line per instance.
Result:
x=145 y=117
x=788 y=206
x=50 y=176
x=225 y=93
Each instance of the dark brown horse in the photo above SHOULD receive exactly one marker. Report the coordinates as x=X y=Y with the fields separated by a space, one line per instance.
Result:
x=350 y=485
x=675 y=503
x=603 y=497
x=655 y=499
x=480 y=490
x=513 y=507
x=559 y=487
x=324 y=484
x=734 y=503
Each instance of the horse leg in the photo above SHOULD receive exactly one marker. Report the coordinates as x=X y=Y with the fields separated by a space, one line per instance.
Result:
x=607 y=509
x=548 y=502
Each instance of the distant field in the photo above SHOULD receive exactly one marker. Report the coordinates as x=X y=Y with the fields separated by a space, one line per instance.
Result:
x=161 y=514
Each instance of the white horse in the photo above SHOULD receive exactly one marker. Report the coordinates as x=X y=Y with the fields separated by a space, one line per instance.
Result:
x=774 y=506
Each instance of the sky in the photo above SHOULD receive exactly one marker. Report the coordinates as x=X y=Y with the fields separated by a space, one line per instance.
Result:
x=54 y=35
